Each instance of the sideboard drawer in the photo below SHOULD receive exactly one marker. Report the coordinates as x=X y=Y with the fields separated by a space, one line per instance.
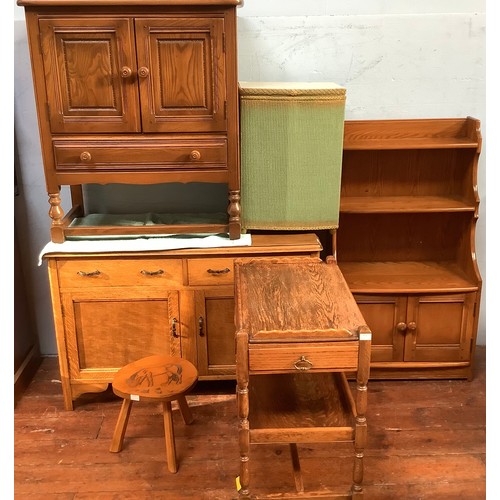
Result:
x=303 y=356
x=217 y=271
x=140 y=155
x=87 y=273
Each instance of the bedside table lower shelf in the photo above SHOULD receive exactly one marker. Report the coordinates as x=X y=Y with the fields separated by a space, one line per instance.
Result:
x=301 y=408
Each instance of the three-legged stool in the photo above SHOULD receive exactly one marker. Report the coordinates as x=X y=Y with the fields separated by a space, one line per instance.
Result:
x=154 y=378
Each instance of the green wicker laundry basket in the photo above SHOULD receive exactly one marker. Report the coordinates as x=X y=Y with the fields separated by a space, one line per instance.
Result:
x=291 y=155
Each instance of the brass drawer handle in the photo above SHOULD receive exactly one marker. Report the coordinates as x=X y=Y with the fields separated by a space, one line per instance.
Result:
x=89 y=275
x=219 y=271
x=174 y=328
x=195 y=155
x=152 y=273
x=303 y=364
x=85 y=156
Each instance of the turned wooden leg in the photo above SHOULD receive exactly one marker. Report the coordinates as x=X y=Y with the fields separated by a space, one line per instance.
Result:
x=234 y=211
x=169 y=436
x=187 y=416
x=56 y=213
x=121 y=426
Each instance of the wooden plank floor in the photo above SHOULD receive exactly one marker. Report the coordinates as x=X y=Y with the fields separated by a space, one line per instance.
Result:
x=426 y=441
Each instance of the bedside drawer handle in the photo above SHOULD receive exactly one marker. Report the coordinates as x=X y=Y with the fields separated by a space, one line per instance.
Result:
x=85 y=156
x=152 y=273
x=89 y=275
x=219 y=271
x=195 y=155
x=303 y=364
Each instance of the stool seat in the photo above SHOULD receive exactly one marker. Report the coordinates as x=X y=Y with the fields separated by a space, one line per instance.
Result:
x=157 y=378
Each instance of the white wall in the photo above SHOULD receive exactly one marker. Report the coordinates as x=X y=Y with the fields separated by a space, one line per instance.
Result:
x=401 y=59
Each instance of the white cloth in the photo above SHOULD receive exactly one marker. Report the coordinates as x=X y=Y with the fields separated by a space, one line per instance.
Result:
x=142 y=244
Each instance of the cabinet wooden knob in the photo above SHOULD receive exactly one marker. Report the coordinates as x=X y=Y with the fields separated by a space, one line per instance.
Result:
x=85 y=156
x=195 y=155
x=125 y=72
x=412 y=326
x=401 y=327
x=143 y=72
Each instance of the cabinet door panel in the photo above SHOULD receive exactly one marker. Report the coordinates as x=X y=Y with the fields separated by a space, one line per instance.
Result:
x=105 y=331
x=83 y=62
x=444 y=326
x=181 y=74
x=215 y=317
x=383 y=314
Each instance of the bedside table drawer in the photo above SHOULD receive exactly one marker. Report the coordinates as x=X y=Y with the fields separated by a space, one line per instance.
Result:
x=86 y=273
x=303 y=357
x=217 y=271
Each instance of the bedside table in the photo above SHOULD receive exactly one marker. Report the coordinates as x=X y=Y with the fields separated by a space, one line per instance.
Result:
x=299 y=332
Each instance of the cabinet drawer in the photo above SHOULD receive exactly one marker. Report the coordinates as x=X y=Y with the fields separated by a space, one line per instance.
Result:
x=140 y=155
x=88 y=273
x=308 y=356
x=217 y=271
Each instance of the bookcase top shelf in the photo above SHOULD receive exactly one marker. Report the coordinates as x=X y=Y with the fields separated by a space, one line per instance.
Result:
x=445 y=133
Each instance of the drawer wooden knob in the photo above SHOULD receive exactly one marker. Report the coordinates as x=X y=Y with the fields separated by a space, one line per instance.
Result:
x=126 y=72
x=85 y=156
x=143 y=72
x=401 y=327
x=90 y=274
x=302 y=364
x=412 y=326
x=195 y=155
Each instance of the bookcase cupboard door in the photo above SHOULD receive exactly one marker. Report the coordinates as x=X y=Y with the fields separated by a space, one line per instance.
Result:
x=419 y=328
x=439 y=327
x=385 y=314
x=181 y=74
x=89 y=67
x=214 y=316
x=107 y=329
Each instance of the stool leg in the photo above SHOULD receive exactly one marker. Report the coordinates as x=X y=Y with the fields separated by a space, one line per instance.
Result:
x=187 y=416
x=121 y=426
x=169 y=436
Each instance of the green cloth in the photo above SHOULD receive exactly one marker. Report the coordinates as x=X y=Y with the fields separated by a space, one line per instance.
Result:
x=291 y=162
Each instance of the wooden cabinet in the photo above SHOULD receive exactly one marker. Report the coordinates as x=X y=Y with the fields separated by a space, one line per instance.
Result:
x=112 y=309
x=141 y=93
x=405 y=243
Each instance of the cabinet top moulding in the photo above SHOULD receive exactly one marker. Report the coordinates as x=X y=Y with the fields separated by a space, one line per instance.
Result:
x=123 y=3
x=437 y=133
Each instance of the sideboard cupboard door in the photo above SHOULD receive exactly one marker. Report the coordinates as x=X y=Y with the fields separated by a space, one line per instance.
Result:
x=181 y=74
x=214 y=315
x=89 y=66
x=107 y=329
